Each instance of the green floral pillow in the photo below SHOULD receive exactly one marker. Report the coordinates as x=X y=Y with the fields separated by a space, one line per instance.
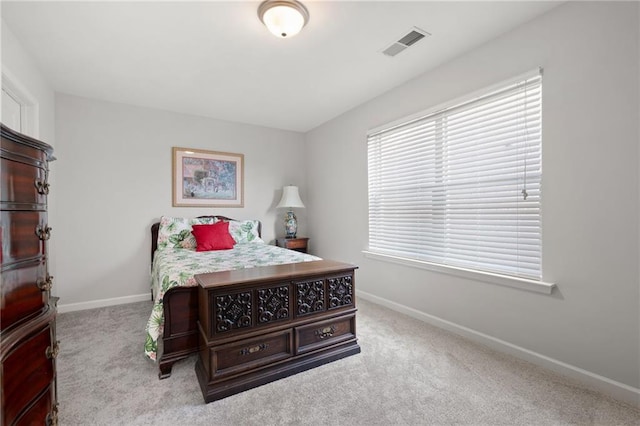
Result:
x=245 y=231
x=175 y=232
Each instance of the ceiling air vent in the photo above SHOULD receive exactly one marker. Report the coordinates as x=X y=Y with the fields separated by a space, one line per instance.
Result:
x=412 y=37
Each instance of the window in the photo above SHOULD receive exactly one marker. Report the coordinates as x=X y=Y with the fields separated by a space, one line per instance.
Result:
x=460 y=186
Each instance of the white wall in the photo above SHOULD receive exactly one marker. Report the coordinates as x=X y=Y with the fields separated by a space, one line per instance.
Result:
x=114 y=181
x=20 y=68
x=589 y=52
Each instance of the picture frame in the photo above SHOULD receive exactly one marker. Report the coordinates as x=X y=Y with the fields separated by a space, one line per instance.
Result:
x=207 y=178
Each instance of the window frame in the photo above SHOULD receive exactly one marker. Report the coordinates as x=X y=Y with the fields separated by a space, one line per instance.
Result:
x=29 y=106
x=536 y=285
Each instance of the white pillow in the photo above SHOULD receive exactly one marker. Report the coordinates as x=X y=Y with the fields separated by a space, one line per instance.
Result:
x=175 y=232
x=245 y=231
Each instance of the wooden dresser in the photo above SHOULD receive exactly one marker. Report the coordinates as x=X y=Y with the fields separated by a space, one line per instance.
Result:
x=28 y=345
x=261 y=324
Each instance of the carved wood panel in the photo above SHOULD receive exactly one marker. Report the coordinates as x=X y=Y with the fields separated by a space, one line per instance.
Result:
x=340 y=291
x=273 y=304
x=233 y=311
x=309 y=297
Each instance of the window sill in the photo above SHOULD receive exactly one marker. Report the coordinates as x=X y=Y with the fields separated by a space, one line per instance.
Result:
x=487 y=277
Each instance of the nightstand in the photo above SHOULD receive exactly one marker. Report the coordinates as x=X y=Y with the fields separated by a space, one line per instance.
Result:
x=297 y=244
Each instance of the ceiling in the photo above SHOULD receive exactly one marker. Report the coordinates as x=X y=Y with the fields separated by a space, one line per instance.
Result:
x=216 y=59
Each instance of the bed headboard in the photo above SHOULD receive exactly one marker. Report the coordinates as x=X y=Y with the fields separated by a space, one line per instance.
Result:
x=156 y=227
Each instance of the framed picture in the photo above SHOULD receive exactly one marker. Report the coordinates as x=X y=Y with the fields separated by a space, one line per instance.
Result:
x=207 y=178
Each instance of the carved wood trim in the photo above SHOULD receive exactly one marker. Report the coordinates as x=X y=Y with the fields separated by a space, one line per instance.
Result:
x=340 y=291
x=309 y=297
x=233 y=311
x=273 y=304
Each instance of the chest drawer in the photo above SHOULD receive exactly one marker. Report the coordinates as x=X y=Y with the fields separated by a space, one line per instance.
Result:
x=22 y=294
x=325 y=333
x=250 y=353
x=26 y=372
x=23 y=183
x=41 y=412
x=23 y=235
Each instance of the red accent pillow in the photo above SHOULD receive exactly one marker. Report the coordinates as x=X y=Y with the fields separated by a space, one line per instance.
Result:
x=213 y=237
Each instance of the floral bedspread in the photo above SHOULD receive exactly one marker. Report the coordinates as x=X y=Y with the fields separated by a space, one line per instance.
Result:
x=176 y=267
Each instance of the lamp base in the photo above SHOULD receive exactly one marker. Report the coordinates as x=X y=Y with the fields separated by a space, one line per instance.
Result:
x=290 y=224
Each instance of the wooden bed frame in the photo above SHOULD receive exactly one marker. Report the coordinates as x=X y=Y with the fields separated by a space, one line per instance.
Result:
x=180 y=337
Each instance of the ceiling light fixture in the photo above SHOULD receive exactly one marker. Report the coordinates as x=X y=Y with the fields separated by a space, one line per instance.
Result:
x=284 y=18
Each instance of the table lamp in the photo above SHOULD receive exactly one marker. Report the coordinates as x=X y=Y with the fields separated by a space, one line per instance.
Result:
x=290 y=200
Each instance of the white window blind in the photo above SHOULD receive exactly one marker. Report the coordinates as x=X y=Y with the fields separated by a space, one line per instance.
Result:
x=461 y=186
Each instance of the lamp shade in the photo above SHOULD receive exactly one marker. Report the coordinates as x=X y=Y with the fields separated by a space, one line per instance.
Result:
x=284 y=18
x=290 y=198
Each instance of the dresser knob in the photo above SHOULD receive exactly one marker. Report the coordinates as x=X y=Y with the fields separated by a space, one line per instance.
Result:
x=43 y=233
x=45 y=284
x=52 y=351
x=42 y=187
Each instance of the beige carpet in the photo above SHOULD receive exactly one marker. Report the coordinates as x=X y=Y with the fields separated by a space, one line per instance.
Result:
x=408 y=373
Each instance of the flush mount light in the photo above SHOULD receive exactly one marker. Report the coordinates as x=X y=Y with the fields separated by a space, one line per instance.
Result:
x=284 y=18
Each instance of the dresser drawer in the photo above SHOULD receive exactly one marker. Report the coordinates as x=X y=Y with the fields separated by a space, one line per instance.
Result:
x=23 y=183
x=325 y=333
x=250 y=353
x=22 y=293
x=26 y=372
x=41 y=412
x=296 y=243
x=11 y=148
x=23 y=234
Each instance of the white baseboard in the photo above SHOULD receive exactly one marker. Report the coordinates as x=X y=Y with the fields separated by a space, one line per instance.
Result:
x=612 y=388
x=71 y=307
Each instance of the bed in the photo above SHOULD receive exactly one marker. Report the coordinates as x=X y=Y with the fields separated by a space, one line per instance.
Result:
x=172 y=329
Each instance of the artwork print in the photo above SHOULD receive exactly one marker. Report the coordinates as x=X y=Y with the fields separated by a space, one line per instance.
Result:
x=207 y=178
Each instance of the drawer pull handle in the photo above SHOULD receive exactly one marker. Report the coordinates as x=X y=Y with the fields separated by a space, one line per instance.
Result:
x=42 y=187
x=52 y=352
x=45 y=284
x=43 y=233
x=325 y=332
x=52 y=417
x=253 y=349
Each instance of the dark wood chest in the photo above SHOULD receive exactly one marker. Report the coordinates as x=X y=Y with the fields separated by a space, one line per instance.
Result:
x=261 y=324
x=28 y=345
